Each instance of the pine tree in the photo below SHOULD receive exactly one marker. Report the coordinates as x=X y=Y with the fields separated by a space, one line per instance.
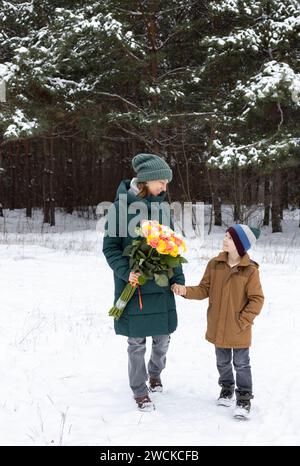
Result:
x=253 y=66
x=258 y=91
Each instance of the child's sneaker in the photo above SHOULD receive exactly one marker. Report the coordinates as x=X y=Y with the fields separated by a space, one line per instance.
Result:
x=226 y=396
x=243 y=405
x=144 y=403
x=155 y=384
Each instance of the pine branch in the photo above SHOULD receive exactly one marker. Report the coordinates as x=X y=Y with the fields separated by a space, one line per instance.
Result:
x=122 y=99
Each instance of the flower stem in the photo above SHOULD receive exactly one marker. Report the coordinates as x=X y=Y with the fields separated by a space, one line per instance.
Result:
x=117 y=310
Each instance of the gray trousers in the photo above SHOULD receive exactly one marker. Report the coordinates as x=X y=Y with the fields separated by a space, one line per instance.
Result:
x=241 y=363
x=136 y=361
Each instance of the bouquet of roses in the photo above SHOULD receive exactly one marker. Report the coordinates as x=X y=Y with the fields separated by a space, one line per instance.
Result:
x=154 y=256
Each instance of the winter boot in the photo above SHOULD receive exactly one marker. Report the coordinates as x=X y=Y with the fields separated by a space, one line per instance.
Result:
x=226 y=395
x=243 y=405
x=155 y=384
x=144 y=403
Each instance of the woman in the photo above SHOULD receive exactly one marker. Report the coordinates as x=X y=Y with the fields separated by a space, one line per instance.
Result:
x=158 y=317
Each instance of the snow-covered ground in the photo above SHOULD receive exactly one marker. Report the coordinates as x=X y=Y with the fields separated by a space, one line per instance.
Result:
x=64 y=371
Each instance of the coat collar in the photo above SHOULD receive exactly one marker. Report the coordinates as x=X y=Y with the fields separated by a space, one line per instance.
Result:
x=244 y=262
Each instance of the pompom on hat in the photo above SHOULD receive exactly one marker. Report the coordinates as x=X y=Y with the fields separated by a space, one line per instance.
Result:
x=150 y=167
x=244 y=237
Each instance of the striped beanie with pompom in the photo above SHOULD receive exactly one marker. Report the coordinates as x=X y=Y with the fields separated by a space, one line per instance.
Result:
x=244 y=237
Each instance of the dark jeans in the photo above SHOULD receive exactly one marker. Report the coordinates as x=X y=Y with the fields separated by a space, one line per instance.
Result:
x=241 y=363
x=136 y=361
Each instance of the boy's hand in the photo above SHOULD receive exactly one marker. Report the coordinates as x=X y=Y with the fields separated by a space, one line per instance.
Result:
x=179 y=290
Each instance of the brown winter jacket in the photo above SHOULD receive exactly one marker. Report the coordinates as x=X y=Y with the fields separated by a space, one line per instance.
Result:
x=235 y=299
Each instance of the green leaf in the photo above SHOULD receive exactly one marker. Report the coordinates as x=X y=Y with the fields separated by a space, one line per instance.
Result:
x=134 y=250
x=163 y=267
x=141 y=254
x=183 y=260
x=172 y=261
x=127 y=250
x=131 y=262
x=163 y=259
x=147 y=273
x=149 y=266
x=170 y=273
x=142 y=279
x=145 y=247
x=136 y=242
x=161 y=279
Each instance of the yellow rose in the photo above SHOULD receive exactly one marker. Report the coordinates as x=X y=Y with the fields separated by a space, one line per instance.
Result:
x=161 y=248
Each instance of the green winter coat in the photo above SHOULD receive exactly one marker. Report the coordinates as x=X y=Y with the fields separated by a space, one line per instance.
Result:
x=158 y=315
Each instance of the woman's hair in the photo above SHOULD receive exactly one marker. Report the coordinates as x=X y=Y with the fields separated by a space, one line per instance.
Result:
x=143 y=189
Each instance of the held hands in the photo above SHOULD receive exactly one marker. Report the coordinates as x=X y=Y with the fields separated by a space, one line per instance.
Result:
x=179 y=290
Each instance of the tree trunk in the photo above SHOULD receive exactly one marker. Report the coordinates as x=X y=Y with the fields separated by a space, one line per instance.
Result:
x=69 y=180
x=35 y=167
x=46 y=194
x=267 y=201
x=217 y=201
x=153 y=68
x=213 y=180
x=237 y=213
x=284 y=201
x=276 y=204
x=27 y=178
x=298 y=188
x=51 y=189
x=218 y=210
x=12 y=173
x=91 y=181
x=1 y=181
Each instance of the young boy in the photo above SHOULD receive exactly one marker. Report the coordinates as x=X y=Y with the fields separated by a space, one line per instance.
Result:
x=231 y=282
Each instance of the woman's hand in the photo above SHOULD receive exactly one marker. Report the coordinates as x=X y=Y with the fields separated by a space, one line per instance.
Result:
x=180 y=290
x=134 y=277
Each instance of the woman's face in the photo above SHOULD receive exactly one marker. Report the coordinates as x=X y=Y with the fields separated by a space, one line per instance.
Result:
x=155 y=187
x=228 y=244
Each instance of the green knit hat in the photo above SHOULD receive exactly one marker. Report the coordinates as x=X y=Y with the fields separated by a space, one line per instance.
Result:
x=150 y=167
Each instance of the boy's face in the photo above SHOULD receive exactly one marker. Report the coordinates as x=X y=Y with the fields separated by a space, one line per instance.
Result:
x=228 y=244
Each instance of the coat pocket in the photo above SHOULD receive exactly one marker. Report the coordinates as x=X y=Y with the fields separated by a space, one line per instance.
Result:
x=208 y=313
x=237 y=320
